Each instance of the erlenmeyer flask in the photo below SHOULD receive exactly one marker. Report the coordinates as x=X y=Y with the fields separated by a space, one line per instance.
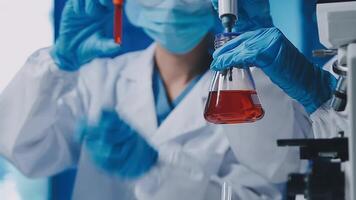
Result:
x=232 y=97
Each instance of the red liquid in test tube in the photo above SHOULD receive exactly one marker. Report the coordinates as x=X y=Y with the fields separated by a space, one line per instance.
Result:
x=118 y=17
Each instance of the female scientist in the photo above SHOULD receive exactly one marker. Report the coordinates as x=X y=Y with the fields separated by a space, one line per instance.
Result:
x=143 y=135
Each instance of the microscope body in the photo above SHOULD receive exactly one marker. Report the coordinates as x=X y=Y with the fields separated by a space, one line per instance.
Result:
x=332 y=170
x=337 y=32
x=325 y=179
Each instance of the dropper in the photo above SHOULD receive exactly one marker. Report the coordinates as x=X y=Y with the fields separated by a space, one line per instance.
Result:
x=228 y=12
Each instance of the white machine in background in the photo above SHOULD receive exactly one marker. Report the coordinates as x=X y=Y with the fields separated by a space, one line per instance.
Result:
x=337 y=32
x=332 y=174
x=327 y=179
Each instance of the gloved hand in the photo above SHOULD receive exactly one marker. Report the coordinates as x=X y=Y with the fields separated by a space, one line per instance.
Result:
x=116 y=148
x=269 y=50
x=82 y=34
x=253 y=14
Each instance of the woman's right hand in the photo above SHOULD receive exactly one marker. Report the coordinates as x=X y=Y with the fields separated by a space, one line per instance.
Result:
x=82 y=35
x=269 y=50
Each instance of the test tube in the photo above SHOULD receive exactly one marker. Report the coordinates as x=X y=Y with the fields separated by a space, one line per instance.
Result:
x=118 y=17
x=226 y=191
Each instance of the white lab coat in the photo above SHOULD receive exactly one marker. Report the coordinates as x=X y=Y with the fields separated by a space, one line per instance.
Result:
x=40 y=108
x=327 y=123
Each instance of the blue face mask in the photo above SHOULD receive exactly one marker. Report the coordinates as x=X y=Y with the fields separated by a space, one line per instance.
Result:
x=177 y=25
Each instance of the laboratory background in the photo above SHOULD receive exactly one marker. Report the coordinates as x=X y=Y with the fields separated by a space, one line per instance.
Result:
x=29 y=25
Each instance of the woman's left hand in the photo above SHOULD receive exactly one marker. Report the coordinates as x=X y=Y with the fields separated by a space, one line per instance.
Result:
x=117 y=148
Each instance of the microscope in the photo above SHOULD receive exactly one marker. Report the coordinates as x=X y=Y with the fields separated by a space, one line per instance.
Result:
x=325 y=179
x=332 y=170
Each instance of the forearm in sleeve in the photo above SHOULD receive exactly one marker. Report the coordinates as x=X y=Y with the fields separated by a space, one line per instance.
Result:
x=38 y=113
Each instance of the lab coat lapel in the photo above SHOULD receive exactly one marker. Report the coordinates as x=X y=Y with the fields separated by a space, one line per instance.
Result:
x=138 y=108
x=136 y=104
x=92 y=183
x=188 y=116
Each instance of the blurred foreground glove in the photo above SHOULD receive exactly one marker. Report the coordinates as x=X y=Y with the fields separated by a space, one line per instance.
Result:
x=82 y=34
x=253 y=14
x=118 y=149
x=269 y=50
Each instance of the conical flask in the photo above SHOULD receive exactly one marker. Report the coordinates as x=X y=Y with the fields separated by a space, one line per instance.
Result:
x=232 y=97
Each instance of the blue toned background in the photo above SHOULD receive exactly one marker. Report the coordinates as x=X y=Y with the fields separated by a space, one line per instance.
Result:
x=296 y=19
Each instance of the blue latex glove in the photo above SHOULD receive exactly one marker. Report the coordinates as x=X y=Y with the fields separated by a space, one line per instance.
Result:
x=253 y=14
x=82 y=34
x=116 y=148
x=269 y=50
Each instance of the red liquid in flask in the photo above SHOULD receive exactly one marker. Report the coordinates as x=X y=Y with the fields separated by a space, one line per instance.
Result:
x=233 y=106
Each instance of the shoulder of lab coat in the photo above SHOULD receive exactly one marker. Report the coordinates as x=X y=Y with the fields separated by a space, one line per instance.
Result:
x=27 y=110
x=102 y=76
x=40 y=109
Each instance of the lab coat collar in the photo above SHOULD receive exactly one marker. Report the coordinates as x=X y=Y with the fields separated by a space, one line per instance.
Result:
x=141 y=69
x=135 y=100
x=188 y=116
x=185 y=118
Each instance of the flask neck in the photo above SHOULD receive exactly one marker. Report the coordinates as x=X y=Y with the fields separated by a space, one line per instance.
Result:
x=223 y=38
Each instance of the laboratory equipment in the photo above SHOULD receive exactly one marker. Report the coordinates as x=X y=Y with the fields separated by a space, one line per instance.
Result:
x=253 y=14
x=270 y=51
x=339 y=100
x=228 y=10
x=326 y=179
x=337 y=32
x=232 y=96
x=333 y=174
x=226 y=191
x=118 y=18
